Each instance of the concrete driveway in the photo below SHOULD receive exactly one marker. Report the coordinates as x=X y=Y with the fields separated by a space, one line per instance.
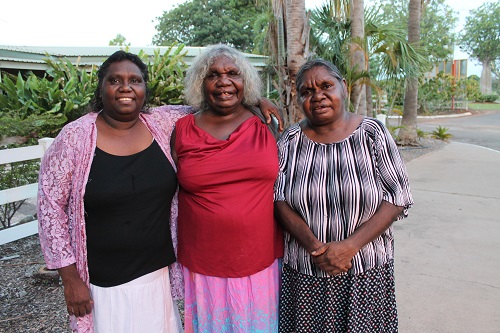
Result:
x=448 y=249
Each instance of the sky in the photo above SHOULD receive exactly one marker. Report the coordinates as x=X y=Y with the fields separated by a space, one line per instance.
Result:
x=96 y=22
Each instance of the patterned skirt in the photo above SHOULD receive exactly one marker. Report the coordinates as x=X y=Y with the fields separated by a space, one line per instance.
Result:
x=346 y=303
x=233 y=305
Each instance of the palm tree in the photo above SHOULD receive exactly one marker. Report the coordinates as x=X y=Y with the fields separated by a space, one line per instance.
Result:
x=297 y=45
x=395 y=58
x=408 y=133
x=331 y=33
x=331 y=39
x=383 y=43
x=338 y=36
x=289 y=48
x=359 y=64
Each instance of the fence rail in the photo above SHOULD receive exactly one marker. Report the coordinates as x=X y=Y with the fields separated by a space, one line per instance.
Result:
x=8 y=156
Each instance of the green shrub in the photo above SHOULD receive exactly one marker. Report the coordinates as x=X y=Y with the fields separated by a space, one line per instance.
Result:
x=166 y=76
x=441 y=133
x=393 y=130
x=490 y=98
x=436 y=93
x=77 y=84
x=421 y=134
x=38 y=107
x=471 y=86
x=35 y=107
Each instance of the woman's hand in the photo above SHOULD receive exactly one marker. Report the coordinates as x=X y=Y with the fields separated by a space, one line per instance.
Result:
x=334 y=258
x=268 y=109
x=76 y=292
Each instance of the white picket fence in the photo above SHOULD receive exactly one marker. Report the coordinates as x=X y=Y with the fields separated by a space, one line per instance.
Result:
x=22 y=192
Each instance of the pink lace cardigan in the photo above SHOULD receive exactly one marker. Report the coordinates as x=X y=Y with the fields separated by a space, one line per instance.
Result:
x=63 y=174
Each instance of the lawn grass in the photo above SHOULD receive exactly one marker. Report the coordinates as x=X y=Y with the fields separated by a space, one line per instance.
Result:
x=484 y=106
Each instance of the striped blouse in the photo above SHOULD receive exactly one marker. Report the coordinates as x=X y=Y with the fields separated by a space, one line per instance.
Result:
x=337 y=187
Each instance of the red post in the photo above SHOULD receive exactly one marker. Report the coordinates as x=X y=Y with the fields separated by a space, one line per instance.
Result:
x=453 y=73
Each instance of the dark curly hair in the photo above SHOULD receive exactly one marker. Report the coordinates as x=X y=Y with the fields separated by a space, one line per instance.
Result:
x=331 y=68
x=96 y=103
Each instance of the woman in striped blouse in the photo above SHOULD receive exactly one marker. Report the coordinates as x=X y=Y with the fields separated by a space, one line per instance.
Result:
x=341 y=185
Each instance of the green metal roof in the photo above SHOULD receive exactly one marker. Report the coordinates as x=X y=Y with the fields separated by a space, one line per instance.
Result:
x=32 y=57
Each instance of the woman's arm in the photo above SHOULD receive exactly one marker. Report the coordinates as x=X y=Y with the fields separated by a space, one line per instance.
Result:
x=375 y=226
x=54 y=188
x=268 y=109
x=294 y=224
x=55 y=180
x=333 y=256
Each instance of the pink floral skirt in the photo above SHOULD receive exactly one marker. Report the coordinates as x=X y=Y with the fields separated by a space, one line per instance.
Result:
x=244 y=305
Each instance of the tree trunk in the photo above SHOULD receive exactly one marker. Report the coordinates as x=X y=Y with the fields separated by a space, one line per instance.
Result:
x=297 y=38
x=408 y=133
x=289 y=44
x=369 y=102
x=358 y=94
x=485 y=81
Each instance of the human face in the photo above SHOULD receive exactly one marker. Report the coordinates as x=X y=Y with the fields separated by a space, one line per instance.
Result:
x=123 y=91
x=322 y=96
x=223 y=86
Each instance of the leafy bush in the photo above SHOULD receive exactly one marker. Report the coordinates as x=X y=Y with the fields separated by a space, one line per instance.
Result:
x=487 y=98
x=78 y=86
x=436 y=93
x=393 y=130
x=35 y=107
x=166 y=76
x=441 y=133
x=471 y=86
x=421 y=134
x=38 y=107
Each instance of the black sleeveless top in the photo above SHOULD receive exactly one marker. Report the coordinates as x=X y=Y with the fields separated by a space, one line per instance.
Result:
x=127 y=206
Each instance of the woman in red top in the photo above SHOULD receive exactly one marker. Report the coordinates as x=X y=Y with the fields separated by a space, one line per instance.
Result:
x=229 y=242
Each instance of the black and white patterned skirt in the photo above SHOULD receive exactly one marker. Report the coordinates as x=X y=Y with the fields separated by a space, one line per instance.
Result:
x=363 y=303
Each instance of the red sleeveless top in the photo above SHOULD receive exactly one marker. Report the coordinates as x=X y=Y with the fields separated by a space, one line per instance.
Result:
x=226 y=225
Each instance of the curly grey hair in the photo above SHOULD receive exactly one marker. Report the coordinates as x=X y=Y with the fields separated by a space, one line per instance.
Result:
x=193 y=83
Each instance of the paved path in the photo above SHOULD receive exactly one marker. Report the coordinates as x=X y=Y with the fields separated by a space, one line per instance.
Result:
x=482 y=128
x=448 y=249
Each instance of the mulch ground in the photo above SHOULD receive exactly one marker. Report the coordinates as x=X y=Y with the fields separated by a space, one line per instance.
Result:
x=30 y=302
